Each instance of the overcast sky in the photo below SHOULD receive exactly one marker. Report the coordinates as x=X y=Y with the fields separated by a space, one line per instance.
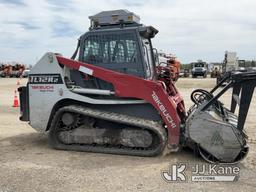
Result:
x=192 y=29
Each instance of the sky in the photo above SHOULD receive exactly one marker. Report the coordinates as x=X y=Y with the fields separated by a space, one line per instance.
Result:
x=190 y=29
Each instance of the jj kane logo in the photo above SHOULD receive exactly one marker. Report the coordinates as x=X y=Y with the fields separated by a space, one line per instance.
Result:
x=175 y=173
x=201 y=172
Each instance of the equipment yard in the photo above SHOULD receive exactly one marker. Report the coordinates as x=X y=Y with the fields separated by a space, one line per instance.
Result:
x=28 y=163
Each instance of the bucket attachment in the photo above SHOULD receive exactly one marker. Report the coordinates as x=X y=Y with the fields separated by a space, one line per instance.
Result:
x=216 y=131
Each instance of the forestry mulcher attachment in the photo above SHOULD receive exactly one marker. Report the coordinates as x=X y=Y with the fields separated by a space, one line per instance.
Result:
x=112 y=101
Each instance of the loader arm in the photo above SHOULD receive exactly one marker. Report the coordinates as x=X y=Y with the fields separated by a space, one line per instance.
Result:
x=134 y=87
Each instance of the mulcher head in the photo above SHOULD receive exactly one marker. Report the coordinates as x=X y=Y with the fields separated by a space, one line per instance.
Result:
x=216 y=131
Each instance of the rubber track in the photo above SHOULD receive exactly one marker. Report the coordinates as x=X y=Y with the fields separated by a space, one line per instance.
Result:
x=156 y=127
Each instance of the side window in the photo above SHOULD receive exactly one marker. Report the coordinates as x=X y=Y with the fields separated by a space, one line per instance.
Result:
x=147 y=56
x=119 y=48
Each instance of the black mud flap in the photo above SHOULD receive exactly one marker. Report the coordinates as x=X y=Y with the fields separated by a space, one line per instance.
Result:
x=24 y=103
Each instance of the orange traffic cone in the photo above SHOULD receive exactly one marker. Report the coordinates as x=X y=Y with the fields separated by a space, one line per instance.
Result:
x=15 y=100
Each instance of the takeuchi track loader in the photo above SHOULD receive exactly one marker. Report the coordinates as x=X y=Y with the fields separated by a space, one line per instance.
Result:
x=111 y=100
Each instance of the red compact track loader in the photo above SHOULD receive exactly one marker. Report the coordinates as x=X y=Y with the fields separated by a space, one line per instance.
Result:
x=111 y=100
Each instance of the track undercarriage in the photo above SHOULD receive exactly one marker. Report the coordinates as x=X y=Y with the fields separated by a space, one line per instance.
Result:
x=82 y=129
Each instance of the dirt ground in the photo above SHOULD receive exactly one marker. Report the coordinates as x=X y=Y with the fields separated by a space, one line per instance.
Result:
x=27 y=163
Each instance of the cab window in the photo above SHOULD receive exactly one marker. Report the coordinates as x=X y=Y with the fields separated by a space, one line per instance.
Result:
x=117 y=48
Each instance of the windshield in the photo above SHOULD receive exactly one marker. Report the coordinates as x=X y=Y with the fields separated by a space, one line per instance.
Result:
x=199 y=65
x=111 y=48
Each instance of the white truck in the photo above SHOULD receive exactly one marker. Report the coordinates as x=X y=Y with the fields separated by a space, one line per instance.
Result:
x=231 y=63
x=199 y=68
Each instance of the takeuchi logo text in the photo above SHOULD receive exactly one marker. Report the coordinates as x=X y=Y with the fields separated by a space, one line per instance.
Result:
x=163 y=110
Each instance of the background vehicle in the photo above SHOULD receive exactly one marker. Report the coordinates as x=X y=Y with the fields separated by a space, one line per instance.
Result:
x=9 y=70
x=199 y=68
x=231 y=63
x=1 y=69
x=170 y=64
x=215 y=72
x=113 y=101
x=17 y=70
x=6 y=70
x=186 y=72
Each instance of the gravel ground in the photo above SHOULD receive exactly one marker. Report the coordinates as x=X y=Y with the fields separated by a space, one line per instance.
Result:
x=27 y=163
